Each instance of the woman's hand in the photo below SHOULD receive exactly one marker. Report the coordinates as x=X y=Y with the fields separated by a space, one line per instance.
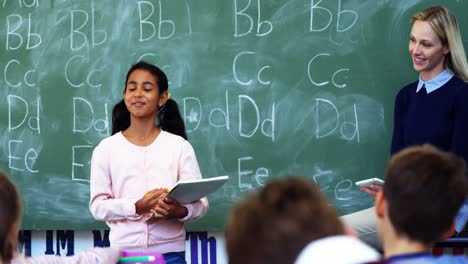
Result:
x=372 y=189
x=149 y=201
x=168 y=208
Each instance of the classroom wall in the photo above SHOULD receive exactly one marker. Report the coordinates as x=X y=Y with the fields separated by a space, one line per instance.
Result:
x=240 y=85
x=201 y=247
x=266 y=89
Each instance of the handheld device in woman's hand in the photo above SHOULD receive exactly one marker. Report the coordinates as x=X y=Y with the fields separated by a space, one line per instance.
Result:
x=368 y=182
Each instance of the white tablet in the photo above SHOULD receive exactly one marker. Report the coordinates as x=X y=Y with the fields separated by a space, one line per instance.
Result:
x=189 y=191
x=365 y=183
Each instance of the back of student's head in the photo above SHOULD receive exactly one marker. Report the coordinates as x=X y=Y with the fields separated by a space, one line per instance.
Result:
x=10 y=213
x=273 y=224
x=424 y=188
x=169 y=116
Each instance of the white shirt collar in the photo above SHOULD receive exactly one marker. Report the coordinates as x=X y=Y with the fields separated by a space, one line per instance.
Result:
x=436 y=82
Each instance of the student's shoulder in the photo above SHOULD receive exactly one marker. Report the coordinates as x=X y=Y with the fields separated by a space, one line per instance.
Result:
x=175 y=141
x=352 y=250
x=172 y=138
x=110 y=141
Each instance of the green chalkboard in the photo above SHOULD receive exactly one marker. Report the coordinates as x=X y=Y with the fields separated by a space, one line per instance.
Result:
x=267 y=89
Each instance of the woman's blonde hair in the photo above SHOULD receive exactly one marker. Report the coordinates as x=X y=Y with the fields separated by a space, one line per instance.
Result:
x=445 y=25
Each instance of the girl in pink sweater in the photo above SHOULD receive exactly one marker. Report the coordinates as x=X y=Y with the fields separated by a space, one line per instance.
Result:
x=132 y=169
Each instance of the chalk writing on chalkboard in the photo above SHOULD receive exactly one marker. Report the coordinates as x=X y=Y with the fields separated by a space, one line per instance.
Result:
x=266 y=89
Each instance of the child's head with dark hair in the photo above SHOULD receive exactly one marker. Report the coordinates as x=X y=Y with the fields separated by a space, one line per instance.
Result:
x=167 y=111
x=10 y=215
x=424 y=188
x=273 y=224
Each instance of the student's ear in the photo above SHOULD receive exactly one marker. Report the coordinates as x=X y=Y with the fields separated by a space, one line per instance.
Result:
x=380 y=204
x=163 y=98
x=449 y=232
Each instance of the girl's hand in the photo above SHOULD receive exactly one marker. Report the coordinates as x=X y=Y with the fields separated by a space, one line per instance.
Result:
x=372 y=189
x=168 y=208
x=149 y=201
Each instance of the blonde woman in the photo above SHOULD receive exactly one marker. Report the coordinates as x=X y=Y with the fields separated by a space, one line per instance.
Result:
x=434 y=108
